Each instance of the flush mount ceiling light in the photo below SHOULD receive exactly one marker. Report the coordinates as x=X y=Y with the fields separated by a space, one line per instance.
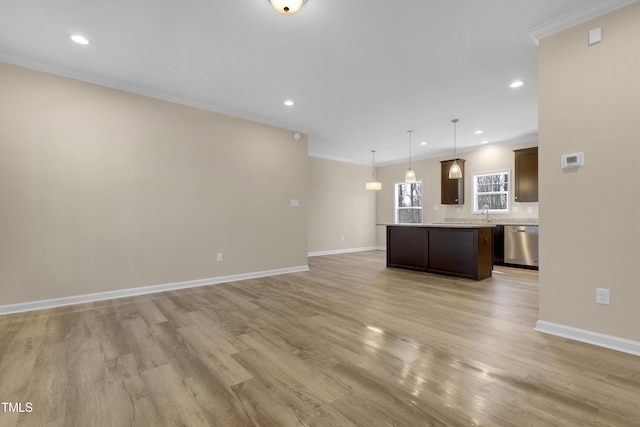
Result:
x=373 y=184
x=287 y=7
x=79 y=39
x=410 y=176
x=455 y=172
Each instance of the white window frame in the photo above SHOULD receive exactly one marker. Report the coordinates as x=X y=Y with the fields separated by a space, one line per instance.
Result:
x=396 y=187
x=499 y=188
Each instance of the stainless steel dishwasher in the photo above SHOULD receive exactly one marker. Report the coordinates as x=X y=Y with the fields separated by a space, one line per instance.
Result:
x=521 y=245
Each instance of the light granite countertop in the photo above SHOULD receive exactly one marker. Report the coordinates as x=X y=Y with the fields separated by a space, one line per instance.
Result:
x=443 y=225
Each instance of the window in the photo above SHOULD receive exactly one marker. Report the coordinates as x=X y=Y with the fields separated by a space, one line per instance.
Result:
x=408 y=203
x=492 y=190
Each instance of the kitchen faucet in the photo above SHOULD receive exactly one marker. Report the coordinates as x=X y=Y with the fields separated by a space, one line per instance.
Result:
x=485 y=209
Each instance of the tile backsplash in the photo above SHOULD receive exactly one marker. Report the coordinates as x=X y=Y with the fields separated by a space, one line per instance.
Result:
x=494 y=220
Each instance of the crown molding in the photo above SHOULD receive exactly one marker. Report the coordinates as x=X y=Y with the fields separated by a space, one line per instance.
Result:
x=576 y=17
x=531 y=137
x=104 y=81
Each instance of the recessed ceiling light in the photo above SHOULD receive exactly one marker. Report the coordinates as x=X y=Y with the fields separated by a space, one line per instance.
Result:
x=423 y=143
x=79 y=39
x=478 y=132
x=484 y=142
x=288 y=103
x=516 y=84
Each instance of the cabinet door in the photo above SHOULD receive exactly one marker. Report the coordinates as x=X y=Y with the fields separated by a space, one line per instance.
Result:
x=407 y=247
x=526 y=175
x=451 y=190
x=453 y=251
x=498 y=244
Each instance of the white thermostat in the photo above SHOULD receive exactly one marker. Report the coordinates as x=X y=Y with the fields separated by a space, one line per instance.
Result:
x=573 y=160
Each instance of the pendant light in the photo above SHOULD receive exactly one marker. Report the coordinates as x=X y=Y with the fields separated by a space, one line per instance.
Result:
x=373 y=184
x=287 y=7
x=410 y=176
x=455 y=172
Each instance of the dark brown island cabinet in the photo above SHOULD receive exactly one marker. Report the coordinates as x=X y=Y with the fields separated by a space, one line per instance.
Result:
x=526 y=175
x=451 y=190
x=464 y=251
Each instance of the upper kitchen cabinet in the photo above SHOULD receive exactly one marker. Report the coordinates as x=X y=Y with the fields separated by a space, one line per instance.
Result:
x=526 y=175
x=451 y=190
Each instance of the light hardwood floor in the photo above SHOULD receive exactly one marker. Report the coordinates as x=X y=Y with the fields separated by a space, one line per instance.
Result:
x=349 y=343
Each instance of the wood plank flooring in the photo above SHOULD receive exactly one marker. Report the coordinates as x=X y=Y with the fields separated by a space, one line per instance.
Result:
x=349 y=343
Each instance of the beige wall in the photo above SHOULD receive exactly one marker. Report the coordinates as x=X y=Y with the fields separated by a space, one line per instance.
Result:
x=486 y=159
x=589 y=238
x=339 y=206
x=104 y=190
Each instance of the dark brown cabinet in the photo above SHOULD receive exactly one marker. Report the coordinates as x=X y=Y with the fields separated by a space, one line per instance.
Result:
x=407 y=247
x=451 y=190
x=461 y=252
x=498 y=245
x=525 y=186
x=455 y=251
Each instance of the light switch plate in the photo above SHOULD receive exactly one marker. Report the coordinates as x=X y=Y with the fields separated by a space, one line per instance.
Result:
x=595 y=36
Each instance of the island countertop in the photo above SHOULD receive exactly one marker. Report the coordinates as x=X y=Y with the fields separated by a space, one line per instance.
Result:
x=442 y=225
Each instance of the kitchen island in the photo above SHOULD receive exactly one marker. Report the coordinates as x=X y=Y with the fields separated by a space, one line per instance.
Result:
x=464 y=250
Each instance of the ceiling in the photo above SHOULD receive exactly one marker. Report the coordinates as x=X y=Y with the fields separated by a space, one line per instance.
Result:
x=361 y=72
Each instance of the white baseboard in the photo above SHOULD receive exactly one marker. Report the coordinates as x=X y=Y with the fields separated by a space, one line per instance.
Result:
x=589 y=337
x=100 y=296
x=346 y=251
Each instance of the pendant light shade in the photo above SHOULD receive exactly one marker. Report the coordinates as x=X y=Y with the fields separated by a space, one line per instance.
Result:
x=373 y=184
x=287 y=7
x=455 y=172
x=410 y=176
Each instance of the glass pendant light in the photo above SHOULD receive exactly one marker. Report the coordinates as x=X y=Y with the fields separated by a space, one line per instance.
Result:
x=455 y=172
x=373 y=184
x=287 y=7
x=410 y=176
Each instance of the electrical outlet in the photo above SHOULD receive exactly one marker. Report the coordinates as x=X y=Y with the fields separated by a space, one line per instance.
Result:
x=602 y=296
x=342 y=238
x=219 y=257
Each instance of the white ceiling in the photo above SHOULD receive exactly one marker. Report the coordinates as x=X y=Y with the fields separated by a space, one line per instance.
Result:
x=361 y=72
